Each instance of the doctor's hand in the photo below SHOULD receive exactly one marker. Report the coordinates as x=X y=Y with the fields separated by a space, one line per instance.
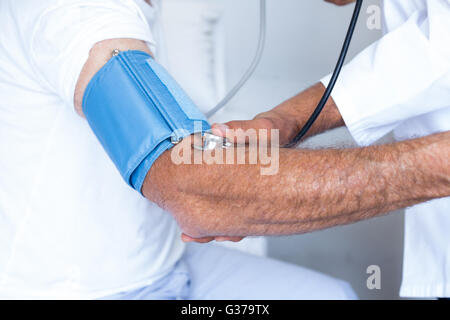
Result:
x=340 y=2
x=267 y=121
x=288 y=118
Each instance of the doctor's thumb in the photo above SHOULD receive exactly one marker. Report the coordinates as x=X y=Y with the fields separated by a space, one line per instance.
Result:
x=240 y=130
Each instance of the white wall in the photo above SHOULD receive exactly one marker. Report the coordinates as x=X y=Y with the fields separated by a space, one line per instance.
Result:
x=304 y=39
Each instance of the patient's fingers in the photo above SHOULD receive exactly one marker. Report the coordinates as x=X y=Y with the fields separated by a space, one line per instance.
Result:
x=248 y=129
x=230 y=239
x=187 y=238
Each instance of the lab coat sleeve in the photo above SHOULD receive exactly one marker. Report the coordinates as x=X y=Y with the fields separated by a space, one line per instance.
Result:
x=404 y=75
x=65 y=33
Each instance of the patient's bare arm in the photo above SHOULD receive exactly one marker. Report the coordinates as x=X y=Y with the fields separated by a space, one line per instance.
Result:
x=313 y=189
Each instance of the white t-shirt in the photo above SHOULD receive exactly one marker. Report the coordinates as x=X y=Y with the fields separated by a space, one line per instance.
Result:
x=402 y=83
x=69 y=225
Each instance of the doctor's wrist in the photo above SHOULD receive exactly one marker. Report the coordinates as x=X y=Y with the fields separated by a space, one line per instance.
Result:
x=295 y=112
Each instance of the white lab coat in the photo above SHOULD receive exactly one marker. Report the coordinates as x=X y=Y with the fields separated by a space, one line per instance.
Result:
x=401 y=83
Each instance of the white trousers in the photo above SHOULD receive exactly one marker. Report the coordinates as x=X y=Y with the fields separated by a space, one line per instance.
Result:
x=217 y=273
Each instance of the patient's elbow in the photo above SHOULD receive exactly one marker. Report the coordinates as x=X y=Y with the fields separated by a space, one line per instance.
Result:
x=176 y=190
x=188 y=209
x=197 y=222
x=199 y=217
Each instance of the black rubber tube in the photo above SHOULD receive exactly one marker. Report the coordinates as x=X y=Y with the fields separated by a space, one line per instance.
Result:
x=335 y=76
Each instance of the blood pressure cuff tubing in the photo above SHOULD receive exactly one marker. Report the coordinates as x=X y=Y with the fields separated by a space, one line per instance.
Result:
x=136 y=110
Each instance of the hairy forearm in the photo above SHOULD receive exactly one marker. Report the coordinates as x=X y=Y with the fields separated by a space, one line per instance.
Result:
x=314 y=189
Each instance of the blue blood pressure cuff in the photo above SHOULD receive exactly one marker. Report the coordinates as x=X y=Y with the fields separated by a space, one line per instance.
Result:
x=138 y=111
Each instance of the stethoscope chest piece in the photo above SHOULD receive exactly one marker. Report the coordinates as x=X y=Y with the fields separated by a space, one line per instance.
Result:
x=207 y=141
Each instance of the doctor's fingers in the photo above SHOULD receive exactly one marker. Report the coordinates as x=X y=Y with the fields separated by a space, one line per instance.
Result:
x=340 y=2
x=264 y=128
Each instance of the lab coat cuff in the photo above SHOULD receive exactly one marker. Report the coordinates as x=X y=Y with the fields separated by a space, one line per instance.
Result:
x=344 y=98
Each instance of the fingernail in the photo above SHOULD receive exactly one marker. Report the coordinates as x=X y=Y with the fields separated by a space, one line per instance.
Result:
x=220 y=129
